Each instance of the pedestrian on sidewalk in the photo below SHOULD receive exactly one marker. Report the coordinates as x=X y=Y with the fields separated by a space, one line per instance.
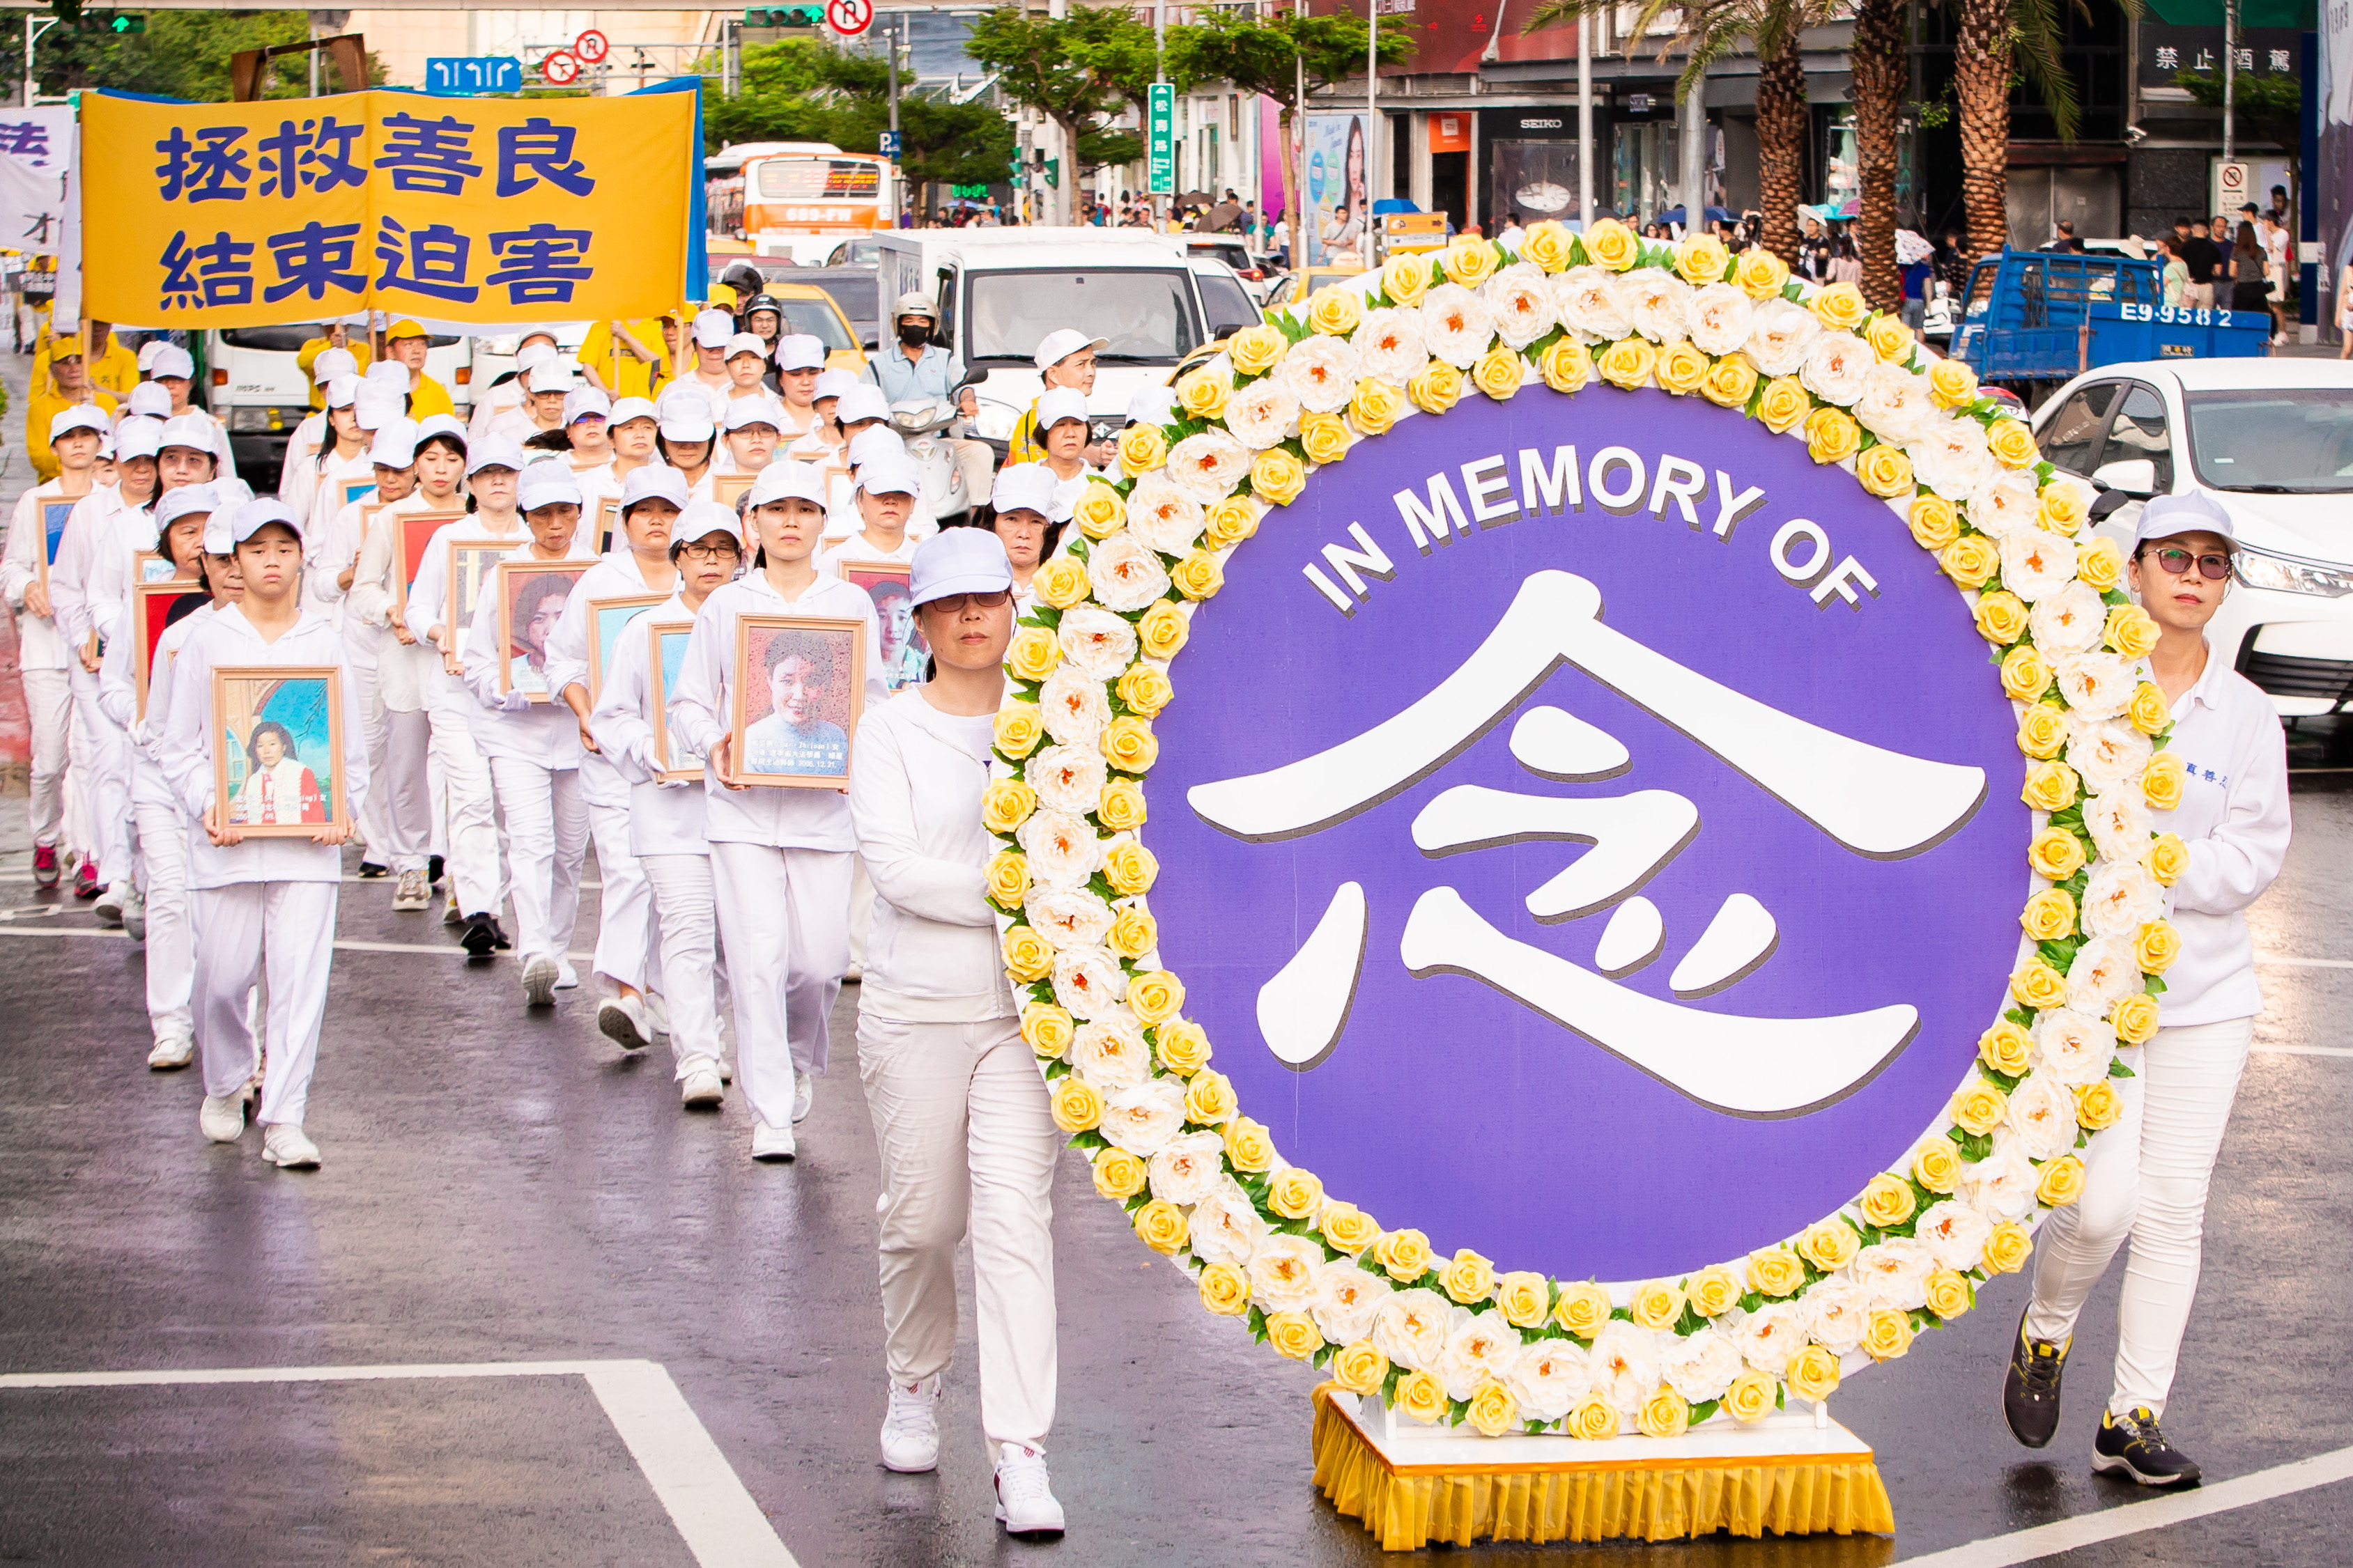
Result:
x=43 y=657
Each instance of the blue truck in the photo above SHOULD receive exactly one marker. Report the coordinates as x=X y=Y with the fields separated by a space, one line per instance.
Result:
x=2047 y=316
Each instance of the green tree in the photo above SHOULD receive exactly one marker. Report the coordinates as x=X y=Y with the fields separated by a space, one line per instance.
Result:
x=1082 y=71
x=182 y=54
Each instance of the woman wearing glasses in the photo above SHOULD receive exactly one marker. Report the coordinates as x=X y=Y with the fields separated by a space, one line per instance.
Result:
x=960 y=1110
x=2147 y=1177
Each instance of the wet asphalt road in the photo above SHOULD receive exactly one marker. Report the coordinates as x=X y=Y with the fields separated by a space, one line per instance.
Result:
x=503 y=1187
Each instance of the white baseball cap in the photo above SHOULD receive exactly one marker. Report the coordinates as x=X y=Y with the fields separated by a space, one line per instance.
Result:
x=332 y=363
x=889 y=473
x=218 y=540
x=864 y=401
x=2196 y=513
x=747 y=343
x=395 y=446
x=341 y=391
x=786 y=480
x=1151 y=405
x=531 y=356
x=493 y=452
x=712 y=328
x=179 y=503
x=833 y=383
x=80 y=417
x=389 y=373
x=1025 y=487
x=586 y=403
x=192 y=430
x=698 y=521
x=870 y=443
x=629 y=408
x=959 y=561
x=551 y=376
x=171 y=359
x=136 y=438
x=1057 y=346
x=147 y=352
x=1058 y=404
x=687 y=419
x=655 y=482
x=374 y=407
x=149 y=399
x=746 y=411
x=260 y=513
x=546 y=484
x=434 y=425
x=799 y=351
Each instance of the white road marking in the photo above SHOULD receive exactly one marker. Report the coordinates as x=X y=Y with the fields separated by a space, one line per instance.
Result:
x=718 y=1519
x=2135 y=1518
x=2303 y=1050
x=2279 y=960
x=439 y=950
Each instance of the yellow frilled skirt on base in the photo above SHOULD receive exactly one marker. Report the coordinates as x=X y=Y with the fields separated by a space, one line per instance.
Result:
x=1595 y=1497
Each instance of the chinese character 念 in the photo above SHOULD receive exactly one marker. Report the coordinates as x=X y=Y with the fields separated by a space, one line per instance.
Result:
x=540 y=263
x=540 y=145
x=317 y=257
x=434 y=257
x=428 y=154
x=210 y=169
x=217 y=273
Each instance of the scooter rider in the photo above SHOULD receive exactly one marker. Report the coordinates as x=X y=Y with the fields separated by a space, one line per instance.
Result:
x=912 y=366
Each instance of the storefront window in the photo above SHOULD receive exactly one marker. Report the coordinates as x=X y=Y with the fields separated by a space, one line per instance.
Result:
x=1534 y=180
x=1643 y=171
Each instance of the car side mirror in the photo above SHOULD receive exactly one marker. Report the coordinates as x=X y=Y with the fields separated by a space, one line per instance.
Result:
x=2136 y=477
x=1218 y=330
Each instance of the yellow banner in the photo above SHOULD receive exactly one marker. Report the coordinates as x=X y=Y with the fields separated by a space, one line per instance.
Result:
x=489 y=212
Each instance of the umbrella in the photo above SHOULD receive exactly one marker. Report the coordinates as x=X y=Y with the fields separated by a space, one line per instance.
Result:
x=1675 y=214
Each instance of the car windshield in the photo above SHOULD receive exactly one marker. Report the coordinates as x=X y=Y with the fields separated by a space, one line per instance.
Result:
x=1148 y=315
x=2297 y=443
x=1228 y=302
x=816 y=318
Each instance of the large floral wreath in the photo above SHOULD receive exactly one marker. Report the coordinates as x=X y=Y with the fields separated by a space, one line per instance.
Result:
x=1449 y=1339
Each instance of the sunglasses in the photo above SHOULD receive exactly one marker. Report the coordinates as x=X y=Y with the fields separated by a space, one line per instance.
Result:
x=956 y=604
x=2176 y=562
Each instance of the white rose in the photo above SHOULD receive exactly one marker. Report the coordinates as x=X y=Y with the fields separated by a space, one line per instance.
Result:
x=1955 y=1234
x=1186 y=1167
x=1722 y=317
x=1143 y=1118
x=1839 y=368
x=1319 y=371
x=1062 y=848
x=1894 y=1273
x=2118 y=822
x=2042 y=1117
x=1095 y=642
x=2036 y=563
x=1771 y=1335
x=1521 y=302
x=2069 y=621
x=1066 y=778
x=1625 y=1364
x=1548 y=1377
x=2000 y=1185
x=1479 y=1345
x=2120 y=898
x=1208 y=465
x=1895 y=405
x=1088 y=981
x=1837 y=1313
x=1282 y=1273
x=1225 y=1226
x=1071 y=917
x=1950 y=456
x=1586 y=304
x=1258 y=415
x=1072 y=707
x=2109 y=755
x=2076 y=1048
x=1347 y=1300
x=1783 y=338
x=2006 y=504
x=1702 y=1366
x=1390 y=345
x=1125 y=573
x=1165 y=517
x=1656 y=304
x=1457 y=325
x=1110 y=1053
x=2103 y=972
x=1410 y=1328
x=2097 y=685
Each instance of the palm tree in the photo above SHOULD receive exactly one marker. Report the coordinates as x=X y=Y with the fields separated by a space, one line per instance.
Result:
x=1992 y=36
x=1881 y=68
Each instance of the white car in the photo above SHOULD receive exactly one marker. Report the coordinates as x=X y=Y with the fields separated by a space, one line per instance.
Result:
x=2272 y=439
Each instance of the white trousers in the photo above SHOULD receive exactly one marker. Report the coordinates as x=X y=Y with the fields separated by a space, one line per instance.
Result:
x=966 y=1141
x=547 y=838
x=289 y=927
x=473 y=835
x=106 y=780
x=375 y=825
x=48 y=704
x=408 y=815
x=861 y=911
x=783 y=914
x=685 y=908
x=625 y=903
x=171 y=954
x=2146 y=1178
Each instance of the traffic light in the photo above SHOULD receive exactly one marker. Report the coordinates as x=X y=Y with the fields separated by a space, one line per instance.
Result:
x=116 y=24
x=785 y=16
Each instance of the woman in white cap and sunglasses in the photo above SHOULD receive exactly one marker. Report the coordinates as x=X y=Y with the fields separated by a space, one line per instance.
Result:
x=2147 y=1176
x=962 y=1122
x=780 y=858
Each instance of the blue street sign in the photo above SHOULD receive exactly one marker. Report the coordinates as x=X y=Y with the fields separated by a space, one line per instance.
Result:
x=462 y=74
x=889 y=144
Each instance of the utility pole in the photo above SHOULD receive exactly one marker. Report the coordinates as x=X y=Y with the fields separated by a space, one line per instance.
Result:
x=1585 y=118
x=2229 y=77
x=33 y=28
x=1160 y=199
x=1372 y=126
x=1694 y=156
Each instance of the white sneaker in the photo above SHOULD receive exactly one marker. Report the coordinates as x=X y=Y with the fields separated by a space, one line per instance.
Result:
x=135 y=916
x=726 y=1070
x=911 y=1432
x=623 y=1021
x=803 y=1094
x=657 y=1013
x=109 y=907
x=449 y=915
x=539 y=977
x=771 y=1143
x=413 y=895
x=222 y=1119
x=172 y=1052
x=284 y=1145
x=701 y=1089
x=1025 y=1497
x=567 y=977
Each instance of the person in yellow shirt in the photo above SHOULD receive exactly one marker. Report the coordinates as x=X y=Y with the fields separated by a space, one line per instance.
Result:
x=1065 y=358
x=61 y=388
x=643 y=363
x=406 y=343
x=332 y=335
x=114 y=368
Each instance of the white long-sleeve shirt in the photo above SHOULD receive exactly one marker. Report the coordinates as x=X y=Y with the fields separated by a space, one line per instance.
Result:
x=916 y=777
x=617 y=575
x=403 y=671
x=700 y=712
x=40 y=643
x=118 y=699
x=91 y=531
x=111 y=573
x=546 y=734
x=331 y=541
x=664 y=818
x=298 y=472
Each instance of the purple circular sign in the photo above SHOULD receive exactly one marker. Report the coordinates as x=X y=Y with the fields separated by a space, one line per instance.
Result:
x=1624 y=877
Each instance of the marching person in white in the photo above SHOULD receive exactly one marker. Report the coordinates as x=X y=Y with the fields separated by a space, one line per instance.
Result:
x=961 y=1117
x=2147 y=1177
x=747 y=369
x=298 y=474
x=640 y=564
x=541 y=412
x=714 y=330
x=175 y=373
x=330 y=573
x=750 y=426
x=534 y=754
x=1027 y=516
x=885 y=497
x=537 y=348
x=685 y=440
x=666 y=817
x=349 y=483
x=780 y=856
x=317 y=487
x=633 y=429
x=823 y=442
x=43 y=654
x=800 y=359
x=258 y=900
x=586 y=411
x=1064 y=433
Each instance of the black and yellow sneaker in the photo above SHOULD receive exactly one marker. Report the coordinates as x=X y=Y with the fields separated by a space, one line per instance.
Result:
x=2131 y=1443
x=2030 y=1394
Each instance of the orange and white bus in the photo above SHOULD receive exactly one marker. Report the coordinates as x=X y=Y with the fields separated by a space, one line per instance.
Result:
x=799 y=187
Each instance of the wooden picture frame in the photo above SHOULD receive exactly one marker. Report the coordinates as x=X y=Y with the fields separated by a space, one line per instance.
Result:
x=884 y=582
x=833 y=656
x=605 y=519
x=357 y=491
x=55 y=511
x=607 y=619
x=473 y=562
x=304 y=704
x=151 y=615
x=411 y=532
x=665 y=655
x=729 y=490
x=522 y=604
x=152 y=566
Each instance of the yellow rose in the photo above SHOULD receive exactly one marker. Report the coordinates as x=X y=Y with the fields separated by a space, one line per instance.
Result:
x=1887 y=1202
x=1888 y=1335
x=2061 y=1183
x=1582 y=1309
x=1047 y=1029
x=2012 y=444
x=1525 y=1298
x=1713 y=1291
x=1249 y=1146
x=1775 y=1272
x=2131 y=630
x=1294 y=1194
x=2168 y=857
x=1406 y=279
x=1007 y=873
x=1006 y=804
x=1130 y=868
x=1154 y=994
x=1593 y=1418
x=2050 y=916
x=1492 y=1411
x=1120 y=806
x=1950 y=1294
x=2161 y=781
x=1062 y=582
x=1979 y=1107
x=1761 y=274
x=1230 y=522
x=2050 y=786
x=1567 y=365
x=1128 y=744
x=2134 y=1018
x=1027 y=955
x=1729 y=383
x=1254 y=351
x=1937 y=1165
x=1952 y=385
x=2006 y=1048
x=2098 y=1106
x=1702 y=260
x=1276 y=477
x=1683 y=367
x=1546 y=244
x=1375 y=405
x=1075 y=1105
x=1889 y=338
x=1018 y=729
x=1033 y=653
x=1885 y=471
x=1664 y=1415
x=1404 y=1254
x=2037 y=985
x=1970 y=560
x=1935 y=522
x=1161 y=1225
x=2100 y=563
x=2147 y=711
x=1831 y=435
x=2024 y=676
x=2064 y=509
x=1422 y=1397
x=2041 y=730
x=1469 y=1277
x=1498 y=372
x=1324 y=438
x=1750 y=1397
x=1181 y=1045
x=1347 y=1228
x=1813 y=1373
x=1203 y=393
x=1119 y=1175
x=2007 y=1249
x=1609 y=243
x=1145 y=689
x=1209 y=1099
x=1830 y=1246
x=1436 y=388
x=1468 y=260
x=1143 y=447
x=1785 y=405
x=1360 y=1369
x=1133 y=933
x=1100 y=512
x=1627 y=363
x=1225 y=1291
x=1334 y=311
x=2156 y=947
x=1839 y=306
x=1198 y=576
x=2000 y=615
x=1656 y=1305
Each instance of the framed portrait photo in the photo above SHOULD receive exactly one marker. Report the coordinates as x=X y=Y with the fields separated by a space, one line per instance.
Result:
x=54 y=514
x=152 y=566
x=729 y=490
x=665 y=656
x=357 y=491
x=797 y=690
x=154 y=608
x=531 y=601
x=471 y=565
x=605 y=520
x=903 y=648
x=278 y=750
x=607 y=618
x=412 y=531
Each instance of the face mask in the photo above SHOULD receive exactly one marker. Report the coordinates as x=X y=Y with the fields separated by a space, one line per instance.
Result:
x=914 y=334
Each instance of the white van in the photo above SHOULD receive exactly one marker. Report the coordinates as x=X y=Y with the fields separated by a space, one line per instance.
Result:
x=254 y=385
